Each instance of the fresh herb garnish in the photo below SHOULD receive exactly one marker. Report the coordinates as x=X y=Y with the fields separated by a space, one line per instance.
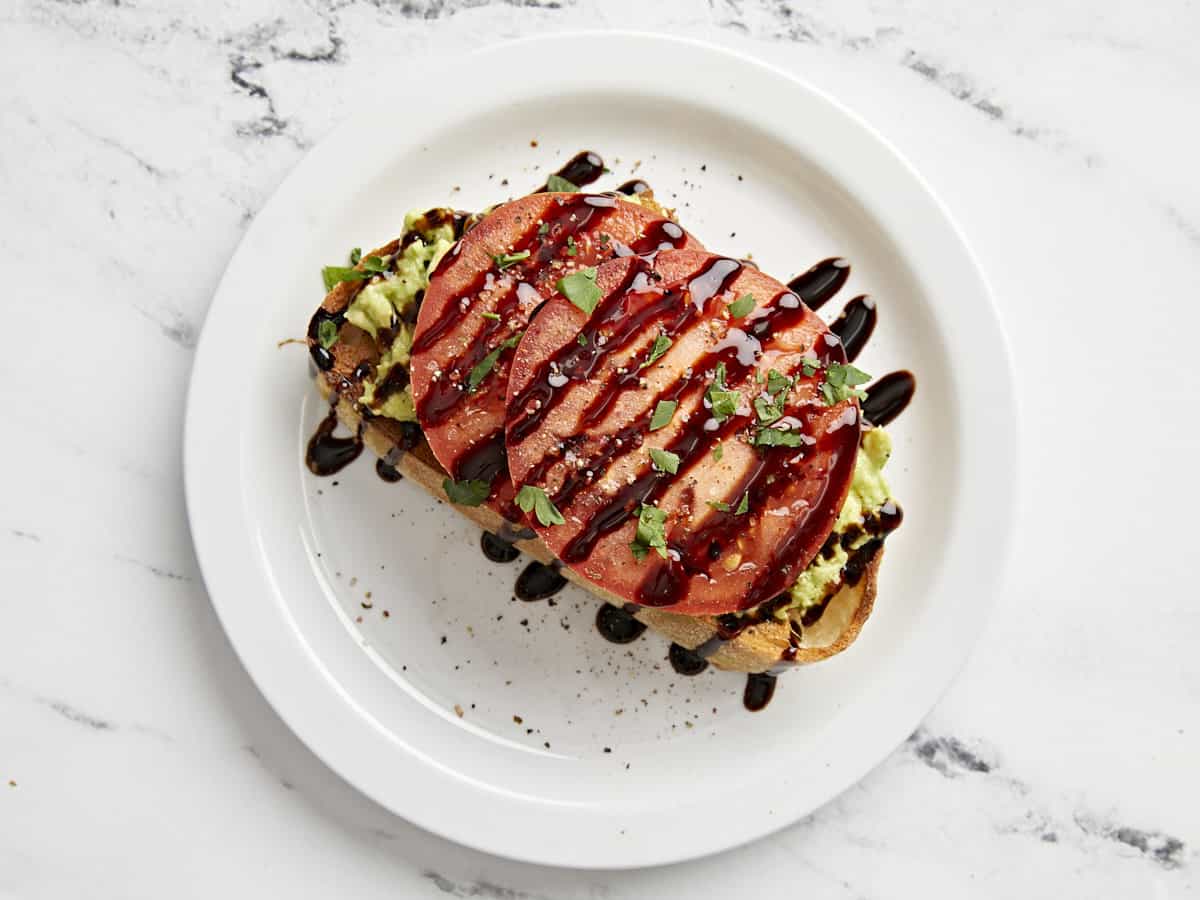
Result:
x=841 y=383
x=571 y=248
x=485 y=365
x=809 y=366
x=741 y=307
x=327 y=333
x=355 y=256
x=582 y=339
x=651 y=533
x=543 y=229
x=718 y=505
x=604 y=239
x=663 y=413
x=662 y=344
x=491 y=315
x=335 y=275
x=717 y=451
x=744 y=506
x=374 y=264
x=777 y=383
x=768 y=410
x=534 y=499
x=506 y=260
x=665 y=460
x=776 y=437
x=558 y=183
x=580 y=288
x=466 y=493
x=724 y=403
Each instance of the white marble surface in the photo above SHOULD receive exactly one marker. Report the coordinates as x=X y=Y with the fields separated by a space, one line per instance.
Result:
x=139 y=138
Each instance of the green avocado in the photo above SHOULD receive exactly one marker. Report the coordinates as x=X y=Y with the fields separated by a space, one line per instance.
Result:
x=391 y=299
x=868 y=492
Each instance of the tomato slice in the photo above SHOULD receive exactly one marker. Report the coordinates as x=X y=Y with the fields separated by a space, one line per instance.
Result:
x=685 y=353
x=479 y=301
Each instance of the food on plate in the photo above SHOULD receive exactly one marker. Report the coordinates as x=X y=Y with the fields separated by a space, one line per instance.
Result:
x=672 y=429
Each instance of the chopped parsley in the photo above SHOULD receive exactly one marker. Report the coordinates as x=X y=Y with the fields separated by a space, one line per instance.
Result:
x=809 y=366
x=718 y=505
x=665 y=460
x=582 y=339
x=466 y=493
x=744 y=506
x=558 y=183
x=662 y=344
x=335 y=275
x=768 y=410
x=651 y=533
x=543 y=229
x=507 y=260
x=723 y=403
x=717 y=451
x=741 y=307
x=355 y=256
x=663 y=414
x=374 y=264
x=841 y=383
x=580 y=288
x=534 y=499
x=572 y=249
x=491 y=315
x=777 y=383
x=776 y=437
x=327 y=333
x=485 y=365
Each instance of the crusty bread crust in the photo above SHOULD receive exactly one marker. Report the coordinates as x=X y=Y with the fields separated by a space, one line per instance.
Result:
x=758 y=648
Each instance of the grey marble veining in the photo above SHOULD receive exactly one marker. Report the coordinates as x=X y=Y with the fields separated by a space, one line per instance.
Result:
x=139 y=141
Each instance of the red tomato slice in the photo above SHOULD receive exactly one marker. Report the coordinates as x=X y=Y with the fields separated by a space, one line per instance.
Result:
x=592 y=425
x=479 y=301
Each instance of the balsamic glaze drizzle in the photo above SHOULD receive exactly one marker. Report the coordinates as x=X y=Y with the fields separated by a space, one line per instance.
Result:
x=685 y=661
x=760 y=688
x=888 y=397
x=497 y=549
x=618 y=625
x=539 y=581
x=327 y=454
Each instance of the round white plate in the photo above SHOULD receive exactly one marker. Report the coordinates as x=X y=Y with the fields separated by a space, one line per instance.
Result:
x=615 y=761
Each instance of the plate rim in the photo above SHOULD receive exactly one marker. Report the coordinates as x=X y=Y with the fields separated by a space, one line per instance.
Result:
x=268 y=677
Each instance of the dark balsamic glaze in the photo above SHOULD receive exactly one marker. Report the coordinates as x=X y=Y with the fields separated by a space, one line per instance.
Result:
x=320 y=356
x=387 y=471
x=539 y=581
x=633 y=187
x=582 y=168
x=816 y=286
x=685 y=661
x=888 y=397
x=618 y=625
x=760 y=688
x=855 y=325
x=327 y=454
x=497 y=549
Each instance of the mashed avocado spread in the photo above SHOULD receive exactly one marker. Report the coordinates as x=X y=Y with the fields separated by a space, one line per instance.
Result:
x=389 y=302
x=868 y=492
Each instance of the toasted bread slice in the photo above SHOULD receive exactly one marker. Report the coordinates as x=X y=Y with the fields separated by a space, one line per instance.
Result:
x=758 y=648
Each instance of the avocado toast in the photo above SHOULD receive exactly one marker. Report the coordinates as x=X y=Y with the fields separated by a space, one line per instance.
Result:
x=394 y=332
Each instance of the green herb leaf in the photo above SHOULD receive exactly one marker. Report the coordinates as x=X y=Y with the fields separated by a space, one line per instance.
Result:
x=534 y=499
x=374 y=265
x=335 y=275
x=662 y=344
x=505 y=260
x=724 y=403
x=777 y=382
x=718 y=451
x=580 y=288
x=543 y=229
x=665 y=460
x=663 y=413
x=809 y=366
x=604 y=239
x=741 y=307
x=582 y=339
x=651 y=533
x=466 y=493
x=774 y=437
x=491 y=315
x=571 y=248
x=327 y=333
x=558 y=183
x=841 y=383
x=485 y=365
x=768 y=410
x=718 y=505
x=744 y=506
x=355 y=256
x=719 y=376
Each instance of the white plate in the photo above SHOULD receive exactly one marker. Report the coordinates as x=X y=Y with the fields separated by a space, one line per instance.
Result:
x=288 y=558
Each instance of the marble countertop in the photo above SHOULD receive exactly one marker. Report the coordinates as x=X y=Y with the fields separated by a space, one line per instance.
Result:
x=139 y=139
